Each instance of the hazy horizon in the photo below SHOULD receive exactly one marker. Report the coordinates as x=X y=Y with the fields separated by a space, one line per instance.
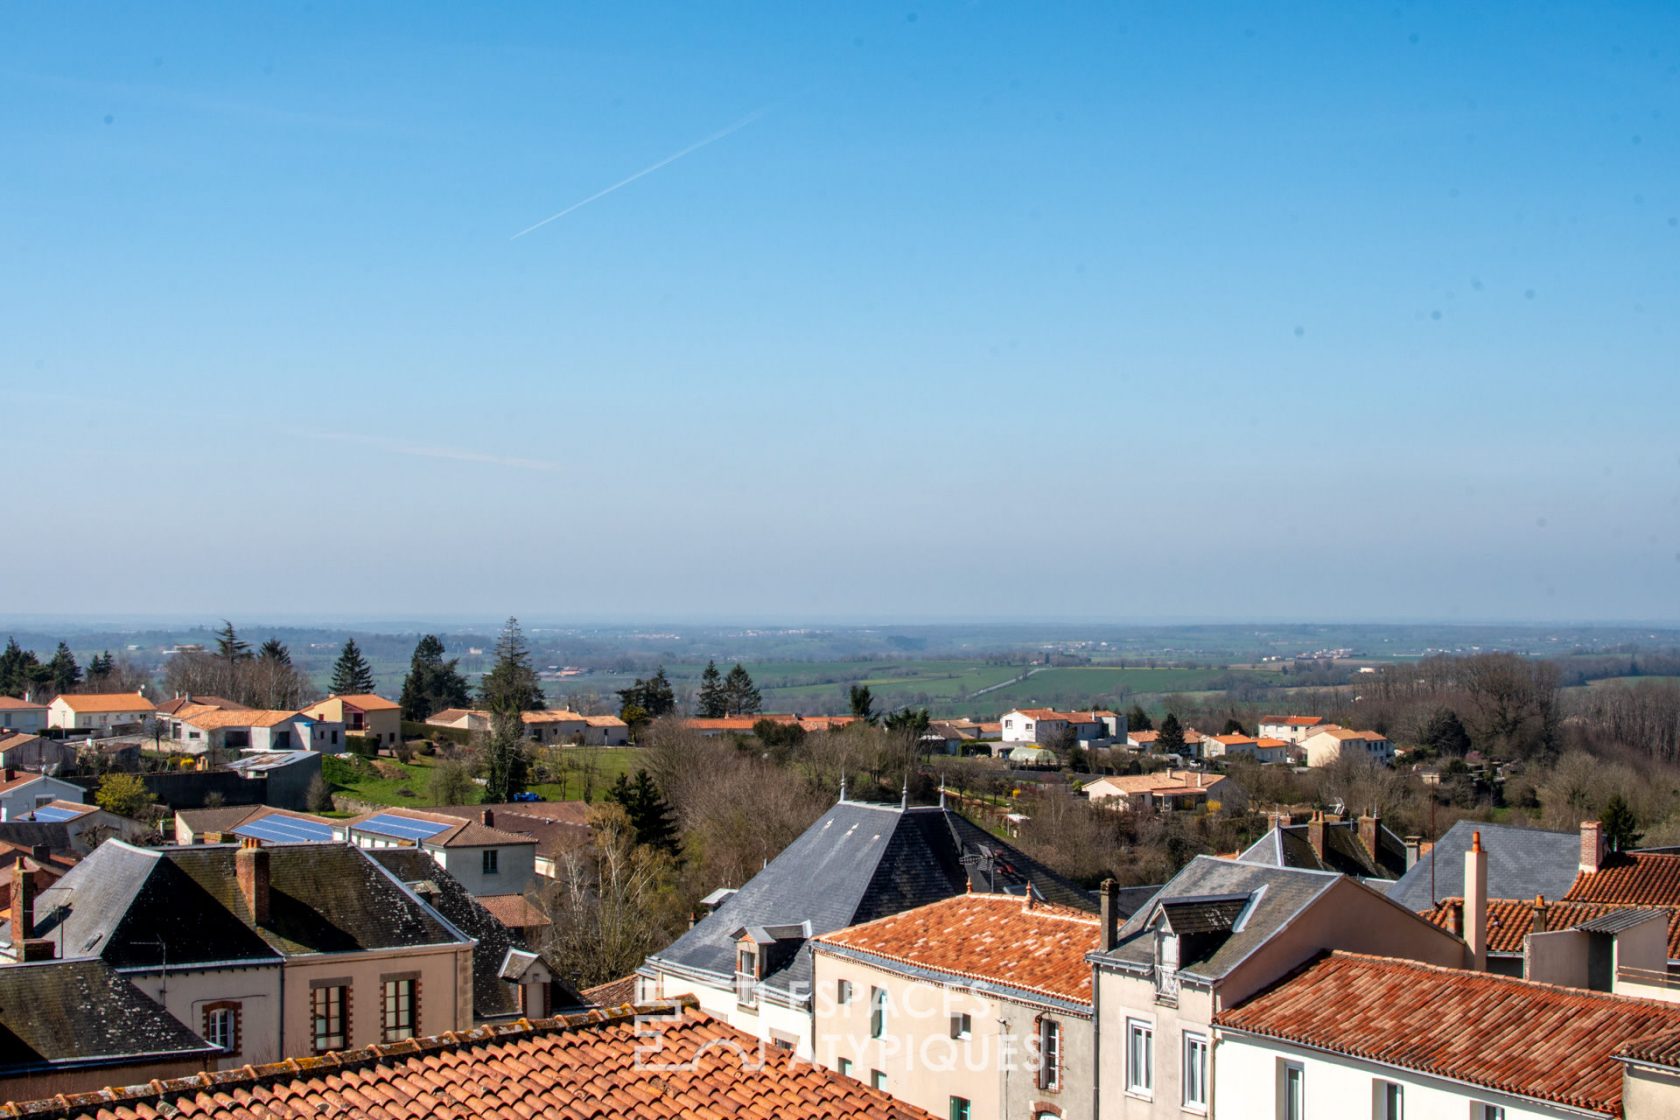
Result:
x=967 y=313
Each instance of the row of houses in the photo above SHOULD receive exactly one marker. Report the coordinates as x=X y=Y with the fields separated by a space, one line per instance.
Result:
x=1274 y=983
x=557 y=726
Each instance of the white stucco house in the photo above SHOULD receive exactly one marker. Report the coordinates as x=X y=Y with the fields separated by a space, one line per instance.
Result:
x=98 y=711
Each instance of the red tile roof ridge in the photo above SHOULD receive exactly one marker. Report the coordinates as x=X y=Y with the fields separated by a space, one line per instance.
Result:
x=357 y=1058
x=1589 y=1081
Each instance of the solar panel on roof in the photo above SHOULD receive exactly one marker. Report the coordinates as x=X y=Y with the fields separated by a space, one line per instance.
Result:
x=52 y=813
x=404 y=828
x=286 y=830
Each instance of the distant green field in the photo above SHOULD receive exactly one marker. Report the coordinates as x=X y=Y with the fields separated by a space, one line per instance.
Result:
x=1623 y=682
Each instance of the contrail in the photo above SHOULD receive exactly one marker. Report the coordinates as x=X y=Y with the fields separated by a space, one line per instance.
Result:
x=648 y=170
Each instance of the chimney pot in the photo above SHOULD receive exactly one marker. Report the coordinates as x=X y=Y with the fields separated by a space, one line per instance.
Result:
x=1592 y=846
x=1539 y=914
x=23 y=900
x=1315 y=834
x=1475 y=902
x=1110 y=914
x=251 y=868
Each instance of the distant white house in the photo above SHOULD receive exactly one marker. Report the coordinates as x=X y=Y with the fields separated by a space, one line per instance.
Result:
x=1044 y=726
x=22 y=715
x=98 y=711
x=1291 y=729
x=199 y=731
x=1331 y=743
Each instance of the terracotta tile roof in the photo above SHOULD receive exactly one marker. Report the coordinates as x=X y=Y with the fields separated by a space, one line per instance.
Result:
x=604 y=721
x=1658 y=1050
x=97 y=702
x=1510 y=920
x=454 y=715
x=13 y=704
x=1535 y=1040
x=1293 y=721
x=1164 y=783
x=1143 y=736
x=987 y=937
x=20 y=780
x=989 y=726
x=514 y=911
x=214 y=719
x=725 y=723
x=1266 y=742
x=180 y=703
x=1233 y=740
x=1345 y=733
x=1631 y=879
x=595 y=1064
x=1069 y=717
x=556 y=715
x=613 y=992
x=368 y=702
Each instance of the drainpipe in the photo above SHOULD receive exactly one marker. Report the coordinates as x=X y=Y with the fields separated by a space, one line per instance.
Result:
x=1096 y=1041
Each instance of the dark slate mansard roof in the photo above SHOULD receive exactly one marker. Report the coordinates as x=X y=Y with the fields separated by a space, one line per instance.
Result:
x=1201 y=901
x=1289 y=847
x=121 y=901
x=858 y=862
x=1522 y=862
x=493 y=998
x=81 y=1013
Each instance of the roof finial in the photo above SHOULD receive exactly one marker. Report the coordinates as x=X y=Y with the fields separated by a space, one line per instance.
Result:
x=904 y=796
x=942 y=791
x=842 y=785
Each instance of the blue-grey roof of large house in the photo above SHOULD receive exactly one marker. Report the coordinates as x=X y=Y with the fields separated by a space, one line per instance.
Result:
x=858 y=862
x=1274 y=897
x=81 y=1014
x=1521 y=863
x=1344 y=851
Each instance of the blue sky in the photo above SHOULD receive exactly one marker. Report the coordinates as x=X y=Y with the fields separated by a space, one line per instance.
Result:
x=986 y=311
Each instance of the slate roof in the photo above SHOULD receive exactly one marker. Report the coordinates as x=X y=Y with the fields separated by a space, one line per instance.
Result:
x=1521 y=863
x=492 y=998
x=1535 y=1040
x=119 y=902
x=596 y=1064
x=80 y=1013
x=991 y=938
x=859 y=862
x=1289 y=846
x=1287 y=892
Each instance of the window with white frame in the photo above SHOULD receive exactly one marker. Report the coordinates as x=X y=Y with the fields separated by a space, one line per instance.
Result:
x=877 y=1012
x=1049 y=1054
x=1292 y=1091
x=329 y=1007
x=1388 y=1101
x=1140 y=1057
x=397 y=1008
x=221 y=1026
x=490 y=858
x=1195 y=1071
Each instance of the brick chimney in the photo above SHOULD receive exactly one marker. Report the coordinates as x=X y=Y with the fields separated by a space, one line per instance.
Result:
x=1110 y=914
x=37 y=949
x=1540 y=909
x=1475 y=902
x=23 y=900
x=1592 y=846
x=1455 y=917
x=1370 y=828
x=1315 y=834
x=1414 y=851
x=488 y=816
x=250 y=864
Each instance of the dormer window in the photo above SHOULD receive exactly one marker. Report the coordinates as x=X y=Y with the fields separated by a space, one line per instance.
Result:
x=1166 y=962
x=747 y=975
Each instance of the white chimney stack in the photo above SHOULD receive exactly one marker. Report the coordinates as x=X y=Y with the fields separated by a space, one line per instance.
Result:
x=1475 y=902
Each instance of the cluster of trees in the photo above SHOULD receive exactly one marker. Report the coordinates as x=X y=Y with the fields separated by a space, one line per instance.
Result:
x=433 y=683
x=261 y=678
x=722 y=696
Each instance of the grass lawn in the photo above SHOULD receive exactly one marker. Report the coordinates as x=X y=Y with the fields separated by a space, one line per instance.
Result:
x=386 y=781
